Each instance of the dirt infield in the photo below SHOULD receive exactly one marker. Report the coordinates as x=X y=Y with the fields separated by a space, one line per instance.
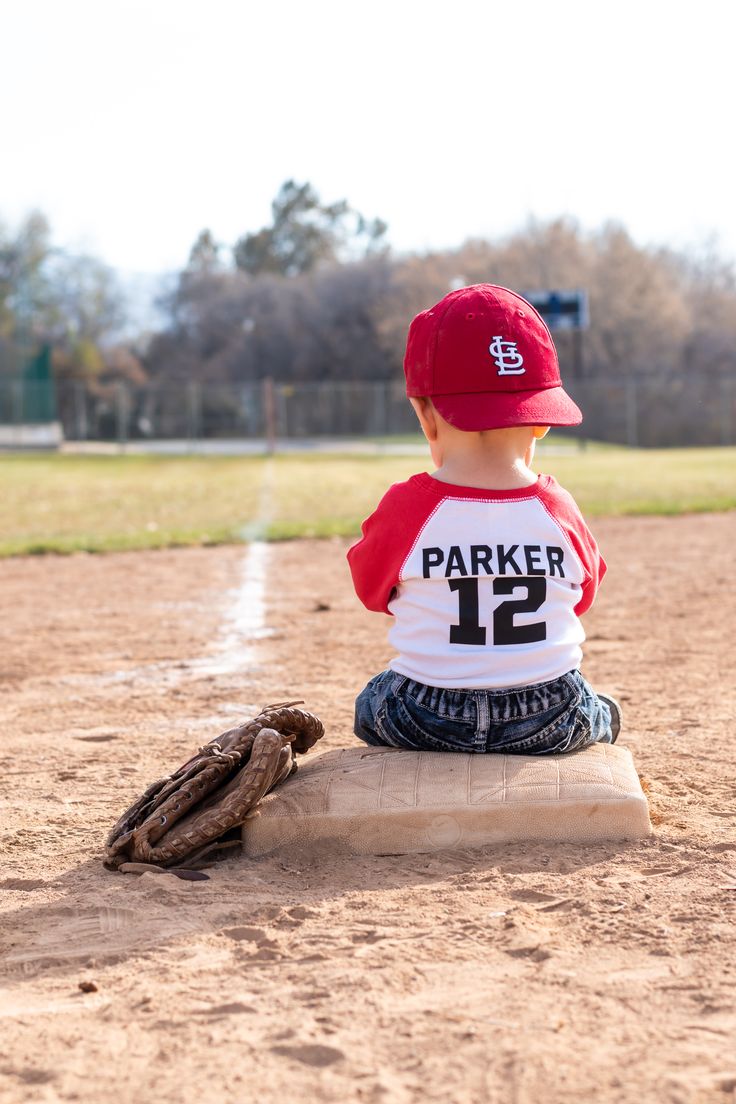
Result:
x=514 y=974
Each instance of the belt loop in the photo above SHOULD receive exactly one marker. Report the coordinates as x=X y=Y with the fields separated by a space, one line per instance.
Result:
x=483 y=713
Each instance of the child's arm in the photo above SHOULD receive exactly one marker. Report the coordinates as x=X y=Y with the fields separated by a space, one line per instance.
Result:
x=372 y=566
x=593 y=563
x=388 y=535
x=566 y=512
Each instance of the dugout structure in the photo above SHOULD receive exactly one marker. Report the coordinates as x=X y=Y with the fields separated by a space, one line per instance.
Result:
x=28 y=411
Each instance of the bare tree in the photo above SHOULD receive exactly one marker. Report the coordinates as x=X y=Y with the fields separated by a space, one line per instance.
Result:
x=305 y=232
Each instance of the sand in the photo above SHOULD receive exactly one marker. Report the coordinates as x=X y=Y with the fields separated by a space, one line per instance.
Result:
x=521 y=973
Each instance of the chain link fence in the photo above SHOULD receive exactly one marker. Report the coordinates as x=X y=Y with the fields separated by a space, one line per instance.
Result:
x=194 y=411
x=651 y=412
x=657 y=412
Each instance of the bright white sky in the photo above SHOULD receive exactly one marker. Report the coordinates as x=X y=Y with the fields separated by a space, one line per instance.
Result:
x=134 y=124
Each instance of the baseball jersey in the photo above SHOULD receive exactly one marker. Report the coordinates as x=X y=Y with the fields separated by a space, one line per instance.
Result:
x=485 y=587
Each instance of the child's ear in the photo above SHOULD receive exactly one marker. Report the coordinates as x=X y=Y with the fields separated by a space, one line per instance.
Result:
x=425 y=412
x=540 y=432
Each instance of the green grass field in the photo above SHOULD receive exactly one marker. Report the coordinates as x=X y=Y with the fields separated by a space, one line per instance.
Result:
x=108 y=503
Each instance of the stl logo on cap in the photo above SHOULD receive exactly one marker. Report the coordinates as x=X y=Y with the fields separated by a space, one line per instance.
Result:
x=507 y=357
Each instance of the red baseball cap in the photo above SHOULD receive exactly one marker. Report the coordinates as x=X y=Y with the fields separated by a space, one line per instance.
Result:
x=487 y=360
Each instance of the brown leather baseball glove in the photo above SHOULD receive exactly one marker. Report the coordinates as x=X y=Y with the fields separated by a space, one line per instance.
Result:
x=185 y=815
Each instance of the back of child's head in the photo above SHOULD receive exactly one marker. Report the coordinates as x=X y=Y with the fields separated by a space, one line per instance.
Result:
x=487 y=361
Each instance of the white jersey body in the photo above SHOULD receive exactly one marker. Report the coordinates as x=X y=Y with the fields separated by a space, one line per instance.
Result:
x=449 y=556
x=485 y=588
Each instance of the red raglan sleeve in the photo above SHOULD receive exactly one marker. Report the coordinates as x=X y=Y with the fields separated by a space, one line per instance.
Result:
x=388 y=537
x=566 y=513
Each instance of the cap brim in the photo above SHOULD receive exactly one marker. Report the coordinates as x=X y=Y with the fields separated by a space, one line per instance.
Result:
x=502 y=409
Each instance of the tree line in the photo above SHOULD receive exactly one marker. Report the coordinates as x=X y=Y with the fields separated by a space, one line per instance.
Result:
x=72 y=302
x=318 y=294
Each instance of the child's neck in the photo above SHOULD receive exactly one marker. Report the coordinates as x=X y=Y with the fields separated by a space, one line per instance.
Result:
x=490 y=464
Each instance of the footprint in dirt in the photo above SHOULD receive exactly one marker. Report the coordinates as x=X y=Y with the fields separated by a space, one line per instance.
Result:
x=220 y=1011
x=533 y=896
x=22 y=883
x=244 y=934
x=258 y=944
x=286 y=918
x=654 y=871
x=311 y=1054
x=71 y=934
x=301 y=913
x=367 y=936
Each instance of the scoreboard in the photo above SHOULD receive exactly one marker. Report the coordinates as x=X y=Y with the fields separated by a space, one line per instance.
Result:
x=561 y=310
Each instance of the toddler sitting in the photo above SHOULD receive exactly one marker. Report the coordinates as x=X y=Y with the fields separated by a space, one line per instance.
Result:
x=484 y=565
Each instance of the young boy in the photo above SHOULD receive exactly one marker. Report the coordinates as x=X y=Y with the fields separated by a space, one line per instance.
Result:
x=484 y=565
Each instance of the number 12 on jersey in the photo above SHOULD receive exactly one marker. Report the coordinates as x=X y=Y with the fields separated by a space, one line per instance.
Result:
x=469 y=629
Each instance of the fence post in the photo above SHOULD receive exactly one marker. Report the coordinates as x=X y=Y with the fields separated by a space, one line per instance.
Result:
x=194 y=412
x=632 y=432
x=380 y=409
x=577 y=355
x=17 y=401
x=80 y=410
x=121 y=414
x=727 y=402
x=269 y=414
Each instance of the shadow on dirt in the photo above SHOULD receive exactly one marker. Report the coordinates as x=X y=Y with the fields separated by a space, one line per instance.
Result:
x=97 y=915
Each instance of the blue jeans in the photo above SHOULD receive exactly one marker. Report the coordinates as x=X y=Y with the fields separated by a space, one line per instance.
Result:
x=546 y=719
